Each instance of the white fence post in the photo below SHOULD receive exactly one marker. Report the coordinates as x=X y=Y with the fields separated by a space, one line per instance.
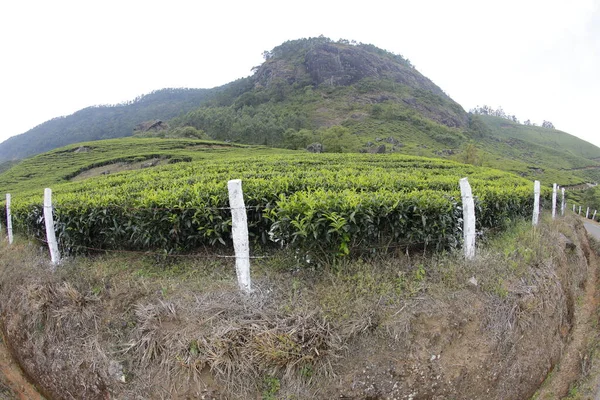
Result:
x=579 y=213
x=468 y=206
x=573 y=207
x=554 y=189
x=536 y=202
x=587 y=213
x=563 y=205
x=594 y=216
x=50 y=234
x=239 y=231
x=8 y=219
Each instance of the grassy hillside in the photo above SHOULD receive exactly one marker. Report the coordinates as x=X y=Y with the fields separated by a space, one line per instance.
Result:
x=308 y=86
x=533 y=152
x=308 y=215
x=304 y=87
x=171 y=194
x=550 y=138
x=327 y=96
x=84 y=160
x=102 y=122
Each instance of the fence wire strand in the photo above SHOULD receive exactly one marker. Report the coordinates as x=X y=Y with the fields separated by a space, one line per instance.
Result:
x=122 y=207
x=158 y=254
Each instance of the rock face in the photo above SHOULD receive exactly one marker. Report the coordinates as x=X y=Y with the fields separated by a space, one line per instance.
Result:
x=315 y=148
x=320 y=61
x=344 y=65
x=154 y=126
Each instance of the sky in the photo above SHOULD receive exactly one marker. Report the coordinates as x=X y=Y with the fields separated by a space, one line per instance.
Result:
x=537 y=59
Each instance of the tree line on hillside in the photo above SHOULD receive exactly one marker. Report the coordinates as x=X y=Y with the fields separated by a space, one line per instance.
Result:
x=499 y=112
x=299 y=47
x=103 y=122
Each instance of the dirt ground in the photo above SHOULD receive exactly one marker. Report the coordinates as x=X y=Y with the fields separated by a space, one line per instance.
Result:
x=13 y=384
x=513 y=324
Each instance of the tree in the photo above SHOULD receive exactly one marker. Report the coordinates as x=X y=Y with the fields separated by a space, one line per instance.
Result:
x=295 y=140
x=477 y=125
x=547 y=124
x=470 y=155
x=338 y=139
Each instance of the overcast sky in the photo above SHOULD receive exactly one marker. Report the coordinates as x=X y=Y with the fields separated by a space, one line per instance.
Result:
x=538 y=59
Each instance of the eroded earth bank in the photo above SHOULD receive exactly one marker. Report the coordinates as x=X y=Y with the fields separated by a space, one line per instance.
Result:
x=403 y=326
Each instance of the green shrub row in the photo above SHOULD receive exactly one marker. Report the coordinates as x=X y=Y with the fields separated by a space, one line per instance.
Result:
x=332 y=204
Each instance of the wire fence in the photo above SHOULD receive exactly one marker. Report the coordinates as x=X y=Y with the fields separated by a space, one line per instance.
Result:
x=241 y=243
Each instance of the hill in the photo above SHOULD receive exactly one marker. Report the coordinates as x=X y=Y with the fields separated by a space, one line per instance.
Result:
x=331 y=96
x=102 y=122
x=308 y=86
x=550 y=138
x=345 y=281
x=536 y=152
x=100 y=158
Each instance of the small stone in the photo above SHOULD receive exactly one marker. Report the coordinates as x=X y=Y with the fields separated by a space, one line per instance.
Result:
x=473 y=281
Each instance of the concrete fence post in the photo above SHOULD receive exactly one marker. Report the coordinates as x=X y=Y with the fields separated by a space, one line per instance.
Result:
x=594 y=216
x=554 y=189
x=579 y=213
x=50 y=234
x=9 y=219
x=468 y=206
x=563 y=205
x=587 y=213
x=536 y=202
x=239 y=231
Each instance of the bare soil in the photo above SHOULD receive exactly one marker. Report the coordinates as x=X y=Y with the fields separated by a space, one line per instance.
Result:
x=119 y=167
x=13 y=384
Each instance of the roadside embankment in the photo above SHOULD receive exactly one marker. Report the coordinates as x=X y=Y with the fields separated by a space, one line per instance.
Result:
x=403 y=326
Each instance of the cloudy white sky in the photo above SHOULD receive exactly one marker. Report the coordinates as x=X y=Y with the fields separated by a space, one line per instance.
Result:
x=538 y=59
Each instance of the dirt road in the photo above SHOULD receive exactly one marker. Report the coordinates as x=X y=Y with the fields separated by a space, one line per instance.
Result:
x=593 y=229
x=13 y=385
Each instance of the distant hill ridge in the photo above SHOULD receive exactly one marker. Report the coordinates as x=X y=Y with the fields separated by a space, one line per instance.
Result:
x=373 y=74
x=102 y=122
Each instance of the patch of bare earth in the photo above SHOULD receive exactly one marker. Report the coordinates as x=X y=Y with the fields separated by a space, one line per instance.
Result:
x=119 y=167
x=13 y=384
x=575 y=358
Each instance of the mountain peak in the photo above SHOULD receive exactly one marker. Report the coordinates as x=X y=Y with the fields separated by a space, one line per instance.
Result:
x=321 y=61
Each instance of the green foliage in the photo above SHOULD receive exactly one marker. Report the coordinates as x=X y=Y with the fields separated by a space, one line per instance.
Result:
x=70 y=161
x=271 y=386
x=327 y=204
x=586 y=198
x=338 y=139
x=470 y=154
x=296 y=140
x=186 y=132
x=534 y=152
x=261 y=124
x=477 y=126
x=103 y=122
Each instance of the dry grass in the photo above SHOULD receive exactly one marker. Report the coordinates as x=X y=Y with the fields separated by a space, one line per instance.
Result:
x=136 y=328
